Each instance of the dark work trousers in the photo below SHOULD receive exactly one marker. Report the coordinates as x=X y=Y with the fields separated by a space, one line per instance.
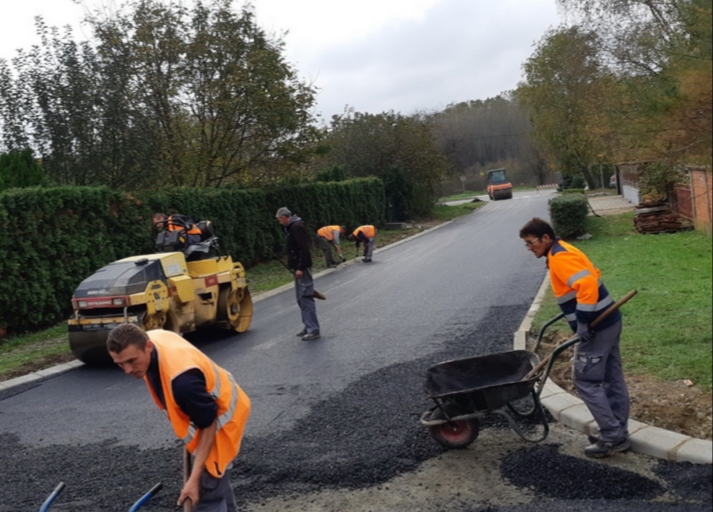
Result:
x=326 y=247
x=304 y=290
x=216 y=495
x=599 y=379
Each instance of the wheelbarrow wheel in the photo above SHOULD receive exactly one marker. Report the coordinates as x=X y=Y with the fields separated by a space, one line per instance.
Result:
x=456 y=434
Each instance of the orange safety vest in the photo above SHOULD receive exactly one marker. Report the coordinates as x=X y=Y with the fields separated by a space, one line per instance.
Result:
x=175 y=356
x=576 y=285
x=368 y=231
x=328 y=232
x=193 y=229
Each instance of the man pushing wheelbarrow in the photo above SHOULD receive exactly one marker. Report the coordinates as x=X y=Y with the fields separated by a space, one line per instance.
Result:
x=597 y=372
x=465 y=390
x=205 y=406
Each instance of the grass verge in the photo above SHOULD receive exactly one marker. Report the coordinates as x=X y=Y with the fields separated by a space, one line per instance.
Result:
x=29 y=352
x=466 y=194
x=667 y=326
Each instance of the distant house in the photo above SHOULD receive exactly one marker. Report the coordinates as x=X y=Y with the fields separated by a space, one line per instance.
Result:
x=628 y=180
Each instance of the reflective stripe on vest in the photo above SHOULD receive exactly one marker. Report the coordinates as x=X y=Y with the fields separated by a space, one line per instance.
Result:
x=576 y=285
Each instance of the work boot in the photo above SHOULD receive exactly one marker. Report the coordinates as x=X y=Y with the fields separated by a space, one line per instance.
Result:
x=311 y=336
x=301 y=333
x=366 y=260
x=602 y=449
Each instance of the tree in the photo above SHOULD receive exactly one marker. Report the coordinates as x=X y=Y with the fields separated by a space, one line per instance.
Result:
x=167 y=96
x=228 y=107
x=480 y=135
x=20 y=169
x=398 y=149
x=660 y=52
x=565 y=84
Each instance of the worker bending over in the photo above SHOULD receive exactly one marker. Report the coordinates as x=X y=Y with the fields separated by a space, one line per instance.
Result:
x=328 y=237
x=205 y=406
x=365 y=235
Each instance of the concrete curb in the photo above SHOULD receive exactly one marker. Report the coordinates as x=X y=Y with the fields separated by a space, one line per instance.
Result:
x=571 y=411
x=65 y=367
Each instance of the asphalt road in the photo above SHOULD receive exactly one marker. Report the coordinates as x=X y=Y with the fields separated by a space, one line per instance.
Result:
x=334 y=424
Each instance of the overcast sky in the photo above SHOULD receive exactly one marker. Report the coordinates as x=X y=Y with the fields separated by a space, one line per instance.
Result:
x=373 y=55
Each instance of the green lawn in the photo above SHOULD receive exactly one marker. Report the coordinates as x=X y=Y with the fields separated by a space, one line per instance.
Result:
x=667 y=325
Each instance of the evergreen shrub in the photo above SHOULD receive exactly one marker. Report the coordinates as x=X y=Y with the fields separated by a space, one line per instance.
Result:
x=569 y=215
x=53 y=238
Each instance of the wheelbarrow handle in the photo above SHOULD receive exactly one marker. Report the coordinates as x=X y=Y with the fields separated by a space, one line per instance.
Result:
x=52 y=497
x=575 y=338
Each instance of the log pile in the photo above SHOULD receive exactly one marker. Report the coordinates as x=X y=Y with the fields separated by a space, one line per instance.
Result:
x=658 y=217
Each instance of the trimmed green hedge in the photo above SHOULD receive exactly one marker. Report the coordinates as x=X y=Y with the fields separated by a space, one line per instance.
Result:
x=53 y=238
x=569 y=215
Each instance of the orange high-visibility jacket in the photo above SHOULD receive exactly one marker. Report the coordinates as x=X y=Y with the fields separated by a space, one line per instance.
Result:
x=367 y=231
x=192 y=229
x=328 y=232
x=175 y=356
x=575 y=282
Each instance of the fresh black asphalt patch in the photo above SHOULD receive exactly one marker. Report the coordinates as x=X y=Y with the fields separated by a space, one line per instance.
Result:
x=360 y=437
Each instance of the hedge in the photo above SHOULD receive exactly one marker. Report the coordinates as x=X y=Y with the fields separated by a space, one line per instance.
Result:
x=53 y=238
x=569 y=215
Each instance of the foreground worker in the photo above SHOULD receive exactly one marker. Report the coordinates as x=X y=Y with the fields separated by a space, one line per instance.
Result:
x=299 y=261
x=364 y=234
x=597 y=371
x=205 y=406
x=328 y=237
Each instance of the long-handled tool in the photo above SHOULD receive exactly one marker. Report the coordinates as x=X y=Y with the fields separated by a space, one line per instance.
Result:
x=317 y=295
x=187 y=468
x=574 y=338
x=52 y=497
x=136 y=506
x=146 y=497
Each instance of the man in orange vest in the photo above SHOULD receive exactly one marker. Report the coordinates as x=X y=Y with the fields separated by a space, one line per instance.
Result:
x=205 y=406
x=365 y=235
x=328 y=237
x=597 y=369
x=178 y=222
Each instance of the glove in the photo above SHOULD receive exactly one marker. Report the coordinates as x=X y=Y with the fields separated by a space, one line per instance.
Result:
x=584 y=333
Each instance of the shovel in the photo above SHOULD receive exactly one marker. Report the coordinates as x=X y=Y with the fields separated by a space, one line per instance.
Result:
x=187 y=468
x=317 y=295
x=574 y=338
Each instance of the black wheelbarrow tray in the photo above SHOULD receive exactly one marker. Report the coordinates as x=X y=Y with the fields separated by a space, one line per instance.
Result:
x=467 y=390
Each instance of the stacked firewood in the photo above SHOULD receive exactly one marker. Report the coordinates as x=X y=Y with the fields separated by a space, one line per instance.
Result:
x=658 y=217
